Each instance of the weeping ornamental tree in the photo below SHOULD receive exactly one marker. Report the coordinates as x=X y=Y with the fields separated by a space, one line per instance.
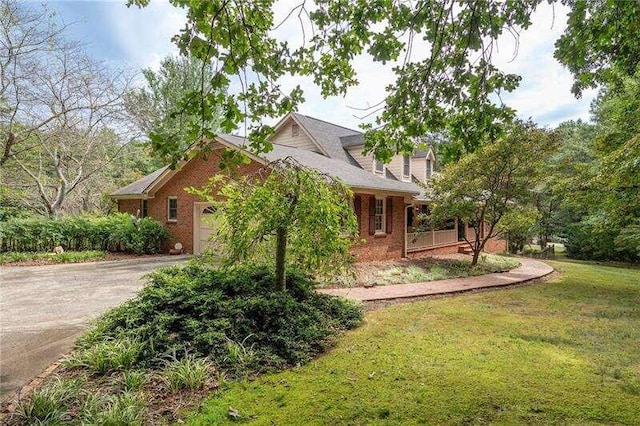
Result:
x=286 y=215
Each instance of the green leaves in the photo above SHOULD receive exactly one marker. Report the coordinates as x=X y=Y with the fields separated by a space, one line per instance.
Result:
x=494 y=181
x=314 y=209
x=601 y=36
x=440 y=50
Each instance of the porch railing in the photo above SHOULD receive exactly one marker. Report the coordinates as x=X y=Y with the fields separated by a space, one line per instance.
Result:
x=421 y=240
x=428 y=239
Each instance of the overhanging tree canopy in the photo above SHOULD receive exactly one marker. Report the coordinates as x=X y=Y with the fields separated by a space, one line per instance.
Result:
x=455 y=87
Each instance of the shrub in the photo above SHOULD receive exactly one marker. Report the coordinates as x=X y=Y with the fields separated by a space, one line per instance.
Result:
x=198 y=310
x=132 y=380
x=117 y=232
x=66 y=257
x=187 y=373
x=595 y=239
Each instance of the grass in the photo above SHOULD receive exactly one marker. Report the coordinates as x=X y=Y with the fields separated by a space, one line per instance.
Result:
x=428 y=269
x=45 y=258
x=105 y=356
x=187 y=373
x=48 y=405
x=565 y=351
x=113 y=410
x=535 y=248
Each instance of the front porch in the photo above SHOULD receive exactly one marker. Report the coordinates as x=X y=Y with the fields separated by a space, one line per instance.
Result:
x=417 y=238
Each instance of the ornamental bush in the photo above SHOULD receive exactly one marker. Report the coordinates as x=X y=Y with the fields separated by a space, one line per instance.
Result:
x=117 y=232
x=239 y=318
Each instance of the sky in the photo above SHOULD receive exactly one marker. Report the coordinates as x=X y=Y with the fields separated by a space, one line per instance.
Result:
x=139 y=38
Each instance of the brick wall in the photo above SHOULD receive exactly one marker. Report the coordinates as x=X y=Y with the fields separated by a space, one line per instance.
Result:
x=129 y=206
x=380 y=247
x=195 y=173
x=494 y=245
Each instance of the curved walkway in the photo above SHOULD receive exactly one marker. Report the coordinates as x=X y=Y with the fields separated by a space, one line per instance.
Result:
x=529 y=269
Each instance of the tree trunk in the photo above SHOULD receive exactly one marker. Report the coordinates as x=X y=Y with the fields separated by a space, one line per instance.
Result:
x=543 y=239
x=476 y=254
x=281 y=251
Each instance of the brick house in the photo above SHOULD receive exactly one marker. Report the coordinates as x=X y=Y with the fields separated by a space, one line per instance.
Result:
x=387 y=197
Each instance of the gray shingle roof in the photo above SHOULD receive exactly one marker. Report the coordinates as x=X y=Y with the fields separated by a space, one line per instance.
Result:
x=140 y=186
x=352 y=140
x=331 y=137
x=327 y=135
x=353 y=176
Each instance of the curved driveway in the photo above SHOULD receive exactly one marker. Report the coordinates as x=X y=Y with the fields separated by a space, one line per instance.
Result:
x=44 y=308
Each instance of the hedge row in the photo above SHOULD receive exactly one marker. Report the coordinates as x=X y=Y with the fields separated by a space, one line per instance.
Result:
x=117 y=233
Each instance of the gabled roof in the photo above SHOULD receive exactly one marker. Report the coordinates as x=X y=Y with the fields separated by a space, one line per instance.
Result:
x=352 y=140
x=352 y=175
x=141 y=185
x=326 y=135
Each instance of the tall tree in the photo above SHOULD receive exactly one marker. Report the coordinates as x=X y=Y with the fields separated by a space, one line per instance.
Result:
x=163 y=109
x=61 y=108
x=455 y=87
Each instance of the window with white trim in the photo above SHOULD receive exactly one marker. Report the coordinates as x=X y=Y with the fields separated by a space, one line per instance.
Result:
x=406 y=166
x=429 y=168
x=380 y=216
x=172 y=209
x=378 y=166
x=295 y=129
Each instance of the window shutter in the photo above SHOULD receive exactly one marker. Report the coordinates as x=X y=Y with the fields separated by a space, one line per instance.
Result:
x=357 y=207
x=372 y=215
x=389 y=215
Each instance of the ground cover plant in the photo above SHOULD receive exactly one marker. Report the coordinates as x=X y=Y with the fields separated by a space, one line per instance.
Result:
x=45 y=258
x=563 y=351
x=189 y=330
x=425 y=269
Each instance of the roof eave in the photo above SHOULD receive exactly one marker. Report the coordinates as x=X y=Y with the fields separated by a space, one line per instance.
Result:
x=130 y=196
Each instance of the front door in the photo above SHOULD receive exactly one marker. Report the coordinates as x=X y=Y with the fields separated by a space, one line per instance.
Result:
x=204 y=227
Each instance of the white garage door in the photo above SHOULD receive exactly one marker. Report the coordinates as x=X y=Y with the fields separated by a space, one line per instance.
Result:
x=204 y=227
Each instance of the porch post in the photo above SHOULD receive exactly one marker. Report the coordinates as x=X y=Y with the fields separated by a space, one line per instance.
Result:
x=406 y=224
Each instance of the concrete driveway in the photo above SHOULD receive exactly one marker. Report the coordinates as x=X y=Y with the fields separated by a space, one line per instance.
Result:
x=44 y=308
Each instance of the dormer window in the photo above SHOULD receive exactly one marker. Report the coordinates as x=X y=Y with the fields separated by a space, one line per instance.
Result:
x=406 y=167
x=295 y=130
x=429 y=168
x=378 y=166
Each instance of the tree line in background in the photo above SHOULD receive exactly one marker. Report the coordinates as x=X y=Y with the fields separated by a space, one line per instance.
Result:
x=73 y=129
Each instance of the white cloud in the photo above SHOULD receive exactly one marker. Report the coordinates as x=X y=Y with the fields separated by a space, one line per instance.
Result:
x=145 y=33
x=144 y=38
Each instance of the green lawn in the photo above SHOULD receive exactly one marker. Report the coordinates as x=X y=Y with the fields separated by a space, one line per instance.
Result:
x=566 y=351
x=19 y=258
